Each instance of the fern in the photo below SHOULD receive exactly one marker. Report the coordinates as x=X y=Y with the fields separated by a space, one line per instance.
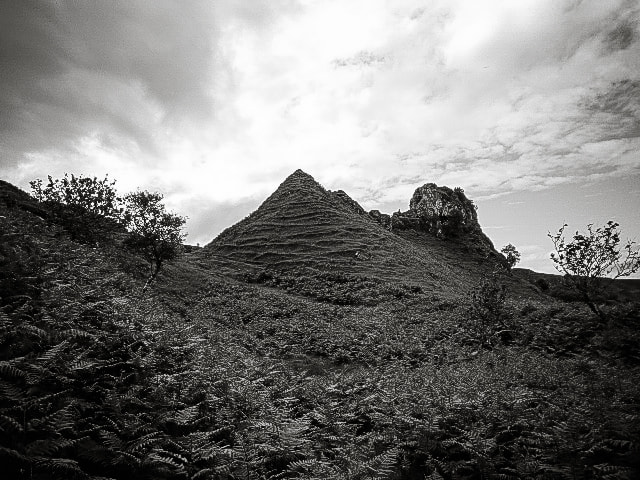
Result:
x=61 y=467
x=204 y=474
x=11 y=392
x=9 y=371
x=168 y=458
x=47 y=447
x=143 y=442
x=54 y=353
x=186 y=415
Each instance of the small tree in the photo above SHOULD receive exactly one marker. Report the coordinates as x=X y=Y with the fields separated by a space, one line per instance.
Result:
x=590 y=261
x=511 y=254
x=154 y=232
x=82 y=205
x=487 y=308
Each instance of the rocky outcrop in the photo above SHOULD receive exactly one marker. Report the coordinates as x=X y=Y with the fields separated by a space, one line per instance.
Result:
x=302 y=227
x=444 y=212
x=439 y=211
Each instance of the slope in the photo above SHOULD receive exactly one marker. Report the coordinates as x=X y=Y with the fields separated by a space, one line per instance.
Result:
x=304 y=228
x=206 y=376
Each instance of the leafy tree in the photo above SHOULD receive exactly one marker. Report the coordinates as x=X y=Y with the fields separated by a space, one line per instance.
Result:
x=154 y=232
x=94 y=196
x=511 y=254
x=84 y=206
x=591 y=260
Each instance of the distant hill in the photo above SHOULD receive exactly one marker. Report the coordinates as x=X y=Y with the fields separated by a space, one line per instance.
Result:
x=304 y=227
x=622 y=289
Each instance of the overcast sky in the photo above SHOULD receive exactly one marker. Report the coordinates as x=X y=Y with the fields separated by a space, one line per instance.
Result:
x=532 y=106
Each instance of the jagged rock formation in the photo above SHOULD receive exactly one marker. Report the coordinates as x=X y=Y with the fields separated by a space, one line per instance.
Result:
x=444 y=212
x=382 y=218
x=441 y=212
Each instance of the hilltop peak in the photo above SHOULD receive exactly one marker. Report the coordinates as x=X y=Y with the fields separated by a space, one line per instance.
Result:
x=301 y=179
x=301 y=173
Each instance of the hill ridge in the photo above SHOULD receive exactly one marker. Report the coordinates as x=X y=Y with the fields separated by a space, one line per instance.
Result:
x=303 y=225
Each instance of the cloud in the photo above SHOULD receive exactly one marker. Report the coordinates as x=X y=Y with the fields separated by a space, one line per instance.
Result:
x=206 y=216
x=622 y=35
x=217 y=102
x=116 y=72
x=126 y=72
x=616 y=110
x=486 y=95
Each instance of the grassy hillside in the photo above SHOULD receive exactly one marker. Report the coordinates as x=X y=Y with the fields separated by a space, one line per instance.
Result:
x=324 y=367
x=303 y=231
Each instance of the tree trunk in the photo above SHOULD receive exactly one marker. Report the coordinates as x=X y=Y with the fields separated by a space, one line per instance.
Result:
x=594 y=307
x=152 y=275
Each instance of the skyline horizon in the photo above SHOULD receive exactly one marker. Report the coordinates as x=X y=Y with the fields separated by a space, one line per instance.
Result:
x=202 y=241
x=532 y=107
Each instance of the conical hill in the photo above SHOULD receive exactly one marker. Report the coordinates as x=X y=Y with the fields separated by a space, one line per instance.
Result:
x=300 y=223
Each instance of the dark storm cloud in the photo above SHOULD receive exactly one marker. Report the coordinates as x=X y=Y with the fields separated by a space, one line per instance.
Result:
x=69 y=69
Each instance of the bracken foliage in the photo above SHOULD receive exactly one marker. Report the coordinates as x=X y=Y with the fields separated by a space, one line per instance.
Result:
x=223 y=379
x=487 y=313
x=87 y=389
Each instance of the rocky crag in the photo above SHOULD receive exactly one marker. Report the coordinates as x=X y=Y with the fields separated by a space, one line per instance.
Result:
x=442 y=212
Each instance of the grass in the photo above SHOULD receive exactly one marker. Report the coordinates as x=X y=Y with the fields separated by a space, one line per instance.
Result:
x=314 y=366
x=302 y=225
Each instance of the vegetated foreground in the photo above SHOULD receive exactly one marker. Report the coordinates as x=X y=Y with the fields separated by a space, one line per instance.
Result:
x=231 y=369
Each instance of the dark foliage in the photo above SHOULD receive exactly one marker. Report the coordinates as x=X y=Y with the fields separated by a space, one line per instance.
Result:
x=211 y=378
x=333 y=286
x=86 y=207
x=511 y=254
x=88 y=386
x=487 y=315
x=542 y=284
x=154 y=232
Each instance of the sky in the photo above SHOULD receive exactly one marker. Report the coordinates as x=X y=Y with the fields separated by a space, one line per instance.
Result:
x=531 y=106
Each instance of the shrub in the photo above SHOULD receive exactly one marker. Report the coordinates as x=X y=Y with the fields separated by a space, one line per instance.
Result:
x=542 y=284
x=487 y=309
x=84 y=206
x=154 y=232
x=590 y=261
x=511 y=254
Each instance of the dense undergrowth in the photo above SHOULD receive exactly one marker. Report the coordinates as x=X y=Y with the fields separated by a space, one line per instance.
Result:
x=333 y=286
x=211 y=378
